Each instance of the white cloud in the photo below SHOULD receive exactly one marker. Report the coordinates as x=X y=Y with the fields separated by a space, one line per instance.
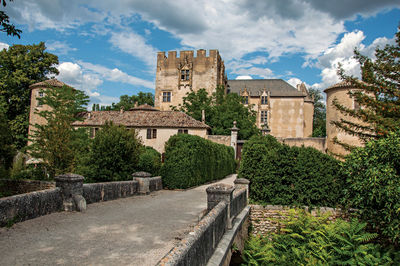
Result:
x=243 y=77
x=3 y=46
x=116 y=75
x=136 y=46
x=58 y=47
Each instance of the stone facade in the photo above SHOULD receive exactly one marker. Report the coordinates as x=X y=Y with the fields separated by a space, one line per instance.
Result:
x=176 y=76
x=340 y=92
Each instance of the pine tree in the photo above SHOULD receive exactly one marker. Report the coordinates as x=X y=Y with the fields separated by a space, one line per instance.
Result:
x=377 y=94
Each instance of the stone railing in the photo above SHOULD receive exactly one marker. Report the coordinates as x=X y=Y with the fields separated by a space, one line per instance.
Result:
x=18 y=186
x=70 y=194
x=224 y=204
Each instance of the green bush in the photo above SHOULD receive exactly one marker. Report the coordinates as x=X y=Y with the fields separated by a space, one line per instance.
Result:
x=307 y=240
x=373 y=184
x=113 y=155
x=192 y=161
x=285 y=175
x=150 y=161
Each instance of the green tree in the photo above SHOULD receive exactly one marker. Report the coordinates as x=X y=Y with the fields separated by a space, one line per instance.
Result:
x=378 y=95
x=114 y=154
x=319 y=120
x=53 y=141
x=220 y=111
x=20 y=67
x=372 y=185
x=128 y=102
x=5 y=25
x=7 y=150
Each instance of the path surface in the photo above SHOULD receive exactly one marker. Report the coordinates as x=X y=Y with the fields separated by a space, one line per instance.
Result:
x=132 y=231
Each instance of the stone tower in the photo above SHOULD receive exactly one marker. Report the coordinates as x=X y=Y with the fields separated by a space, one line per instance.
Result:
x=37 y=91
x=177 y=76
x=339 y=91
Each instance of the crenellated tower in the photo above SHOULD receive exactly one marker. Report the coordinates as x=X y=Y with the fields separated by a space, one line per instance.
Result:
x=177 y=76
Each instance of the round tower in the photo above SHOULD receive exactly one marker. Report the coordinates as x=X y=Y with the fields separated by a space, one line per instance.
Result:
x=339 y=91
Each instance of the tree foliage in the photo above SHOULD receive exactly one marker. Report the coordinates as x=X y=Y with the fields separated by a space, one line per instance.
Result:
x=53 y=141
x=149 y=161
x=378 y=95
x=319 y=119
x=284 y=175
x=373 y=184
x=7 y=150
x=220 y=112
x=20 y=67
x=5 y=25
x=114 y=154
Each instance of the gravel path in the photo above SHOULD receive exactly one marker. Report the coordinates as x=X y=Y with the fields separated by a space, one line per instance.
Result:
x=132 y=231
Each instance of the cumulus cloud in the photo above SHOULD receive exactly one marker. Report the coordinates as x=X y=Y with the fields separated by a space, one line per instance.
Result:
x=135 y=45
x=243 y=77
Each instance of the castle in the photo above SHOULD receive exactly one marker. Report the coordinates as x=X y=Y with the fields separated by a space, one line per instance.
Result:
x=285 y=110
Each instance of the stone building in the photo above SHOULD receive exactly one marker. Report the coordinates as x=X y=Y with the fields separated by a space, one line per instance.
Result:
x=153 y=126
x=177 y=76
x=339 y=91
x=36 y=93
x=288 y=112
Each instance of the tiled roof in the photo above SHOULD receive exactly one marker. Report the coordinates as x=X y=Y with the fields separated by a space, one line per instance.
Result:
x=48 y=83
x=144 y=107
x=343 y=84
x=140 y=118
x=255 y=87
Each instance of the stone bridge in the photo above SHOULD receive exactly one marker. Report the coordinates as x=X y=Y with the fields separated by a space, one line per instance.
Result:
x=165 y=227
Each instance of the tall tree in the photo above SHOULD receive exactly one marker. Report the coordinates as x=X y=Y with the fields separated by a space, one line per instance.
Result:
x=5 y=25
x=377 y=94
x=7 y=150
x=20 y=67
x=220 y=112
x=127 y=102
x=319 y=119
x=53 y=141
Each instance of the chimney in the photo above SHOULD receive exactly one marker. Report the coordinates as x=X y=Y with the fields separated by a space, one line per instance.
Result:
x=203 y=116
x=121 y=111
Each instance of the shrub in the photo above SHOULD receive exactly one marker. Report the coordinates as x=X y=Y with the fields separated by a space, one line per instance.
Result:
x=150 y=161
x=192 y=161
x=373 y=184
x=114 y=154
x=285 y=175
x=308 y=240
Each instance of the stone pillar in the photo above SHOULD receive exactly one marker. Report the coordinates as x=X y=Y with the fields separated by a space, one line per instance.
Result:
x=72 y=191
x=143 y=182
x=217 y=193
x=242 y=183
x=234 y=134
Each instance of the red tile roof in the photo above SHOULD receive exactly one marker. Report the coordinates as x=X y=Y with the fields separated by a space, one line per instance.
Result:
x=141 y=118
x=48 y=83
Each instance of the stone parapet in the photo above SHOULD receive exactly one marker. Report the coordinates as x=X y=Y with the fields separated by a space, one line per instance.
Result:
x=71 y=190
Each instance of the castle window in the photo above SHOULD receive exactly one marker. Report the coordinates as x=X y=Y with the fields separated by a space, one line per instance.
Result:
x=151 y=133
x=40 y=95
x=264 y=117
x=185 y=74
x=183 y=131
x=264 y=100
x=166 y=96
x=245 y=99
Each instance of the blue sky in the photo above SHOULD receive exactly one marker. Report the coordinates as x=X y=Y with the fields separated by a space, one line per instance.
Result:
x=108 y=48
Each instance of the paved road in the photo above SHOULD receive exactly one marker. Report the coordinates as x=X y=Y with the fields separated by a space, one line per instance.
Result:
x=132 y=231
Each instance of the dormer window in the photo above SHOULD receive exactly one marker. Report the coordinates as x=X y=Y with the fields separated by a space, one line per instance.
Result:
x=264 y=99
x=185 y=75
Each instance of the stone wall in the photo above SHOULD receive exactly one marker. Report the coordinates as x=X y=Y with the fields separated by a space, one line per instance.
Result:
x=97 y=192
x=15 y=186
x=265 y=219
x=30 y=205
x=317 y=143
x=220 y=139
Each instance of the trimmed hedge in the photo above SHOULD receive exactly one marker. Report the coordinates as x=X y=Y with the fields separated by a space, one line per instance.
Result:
x=192 y=161
x=149 y=161
x=283 y=175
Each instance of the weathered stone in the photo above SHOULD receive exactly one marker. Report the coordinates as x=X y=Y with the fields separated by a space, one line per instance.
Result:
x=217 y=193
x=71 y=185
x=141 y=174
